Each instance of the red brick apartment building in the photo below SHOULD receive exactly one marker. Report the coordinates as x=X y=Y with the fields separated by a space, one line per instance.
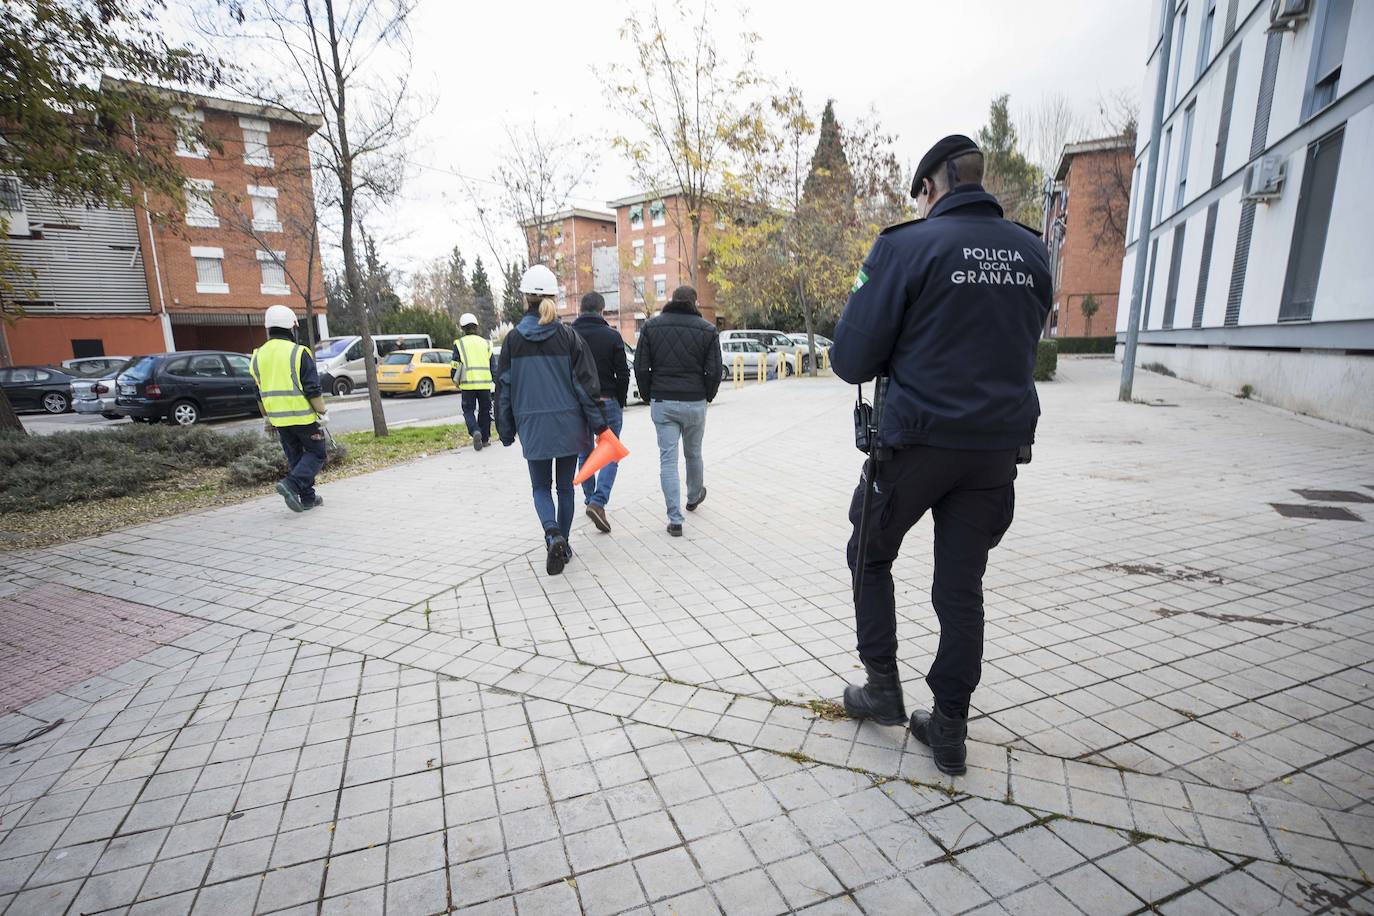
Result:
x=1091 y=176
x=103 y=281
x=577 y=245
x=655 y=241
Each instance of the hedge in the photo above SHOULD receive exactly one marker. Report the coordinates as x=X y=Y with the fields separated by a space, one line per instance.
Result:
x=1046 y=360
x=1087 y=344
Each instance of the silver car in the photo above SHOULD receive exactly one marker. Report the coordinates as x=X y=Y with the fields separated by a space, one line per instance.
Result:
x=97 y=395
x=752 y=356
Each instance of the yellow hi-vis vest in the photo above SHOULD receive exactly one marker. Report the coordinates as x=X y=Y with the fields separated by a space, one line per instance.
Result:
x=474 y=353
x=276 y=368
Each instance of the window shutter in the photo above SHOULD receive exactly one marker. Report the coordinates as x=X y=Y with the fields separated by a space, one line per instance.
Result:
x=1205 y=267
x=1175 y=263
x=1224 y=126
x=1231 y=19
x=1150 y=285
x=1265 y=103
x=1240 y=264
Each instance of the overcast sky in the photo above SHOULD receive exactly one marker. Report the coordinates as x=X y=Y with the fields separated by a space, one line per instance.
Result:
x=927 y=68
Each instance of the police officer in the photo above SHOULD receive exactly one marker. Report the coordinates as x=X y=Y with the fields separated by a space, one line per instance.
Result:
x=472 y=372
x=949 y=309
x=290 y=398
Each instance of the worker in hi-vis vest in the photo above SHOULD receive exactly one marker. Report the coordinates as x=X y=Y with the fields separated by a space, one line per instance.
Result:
x=472 y=373
x=290 y=398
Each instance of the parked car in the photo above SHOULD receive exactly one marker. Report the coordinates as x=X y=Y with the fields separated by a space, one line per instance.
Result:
x=757 y=358
x=42 y=388
x=774 y=341
x=186 y=387
x=340 y=359
x=94 y=366
x=822 y=343
x=417 y=372
x=97 y=395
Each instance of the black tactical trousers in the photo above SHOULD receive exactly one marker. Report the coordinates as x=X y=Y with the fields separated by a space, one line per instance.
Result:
x=972 y=496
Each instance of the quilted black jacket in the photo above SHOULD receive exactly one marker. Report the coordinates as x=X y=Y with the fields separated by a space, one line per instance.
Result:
x=678 y=357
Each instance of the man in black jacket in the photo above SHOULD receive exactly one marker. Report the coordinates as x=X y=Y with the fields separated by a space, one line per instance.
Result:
x=677 y=366
x=608 y=351
x=949 y=308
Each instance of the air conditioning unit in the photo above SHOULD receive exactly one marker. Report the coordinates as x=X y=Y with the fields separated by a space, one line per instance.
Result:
x=1264 y=179
x=1286 y=14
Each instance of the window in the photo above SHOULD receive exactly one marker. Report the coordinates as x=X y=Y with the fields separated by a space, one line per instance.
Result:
x=200 y=203
x=1309 y=227
x=273 y=264
x=206 y=366
x=1180 y=30
x=1204 y=39
x=190 y=125
x=210 y=270
x=1185 y=143
x=638 y=283
x=660 y=287
x=1133 y=227
x=255 y=151
x=660 y=253
x=430 y=356
x=636 y=216
x=238 y=365
x=1162 y=180
x=11 y=194
x=657 y=212
x=264 y=209
x=637 y=248
x=176 y=367
x=1328 y=55
x=87 y=347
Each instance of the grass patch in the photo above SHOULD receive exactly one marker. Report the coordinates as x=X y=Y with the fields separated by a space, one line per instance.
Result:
x=828 y=710
x=74 y=485
x=1159 y=369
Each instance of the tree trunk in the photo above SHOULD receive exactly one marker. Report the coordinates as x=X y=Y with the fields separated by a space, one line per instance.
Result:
x=9 y=420
x=346 y=190
x=810 y=329
x=696 y=247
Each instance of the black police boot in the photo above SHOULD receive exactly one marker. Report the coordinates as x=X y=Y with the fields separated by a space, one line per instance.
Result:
x=880 y=699
x=945 y=738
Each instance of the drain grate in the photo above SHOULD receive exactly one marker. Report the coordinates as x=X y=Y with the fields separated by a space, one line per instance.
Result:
x=1335 y=496
x=1334 y=513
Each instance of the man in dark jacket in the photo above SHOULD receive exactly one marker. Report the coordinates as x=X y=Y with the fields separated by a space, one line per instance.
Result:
x=677 y=366
x=949 y=309
x=608 y=351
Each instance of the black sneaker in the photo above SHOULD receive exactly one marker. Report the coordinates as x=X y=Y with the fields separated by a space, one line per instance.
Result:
x=478 y=444
x=692 y=507
x=675 y=530
x=293 y=501
x=945 y=738
x=319 y=501
x=557 y=553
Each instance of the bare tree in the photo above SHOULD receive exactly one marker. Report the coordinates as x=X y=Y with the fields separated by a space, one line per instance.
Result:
x=686 y=98
x=1110 y=204
x=538 y=175
x=1045 y=128
x=349 y=60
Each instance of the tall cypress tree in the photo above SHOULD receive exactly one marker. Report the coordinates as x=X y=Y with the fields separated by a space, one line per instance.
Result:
x=483 y=303
x=830 y=178
x=512 y=303
x=457 y=292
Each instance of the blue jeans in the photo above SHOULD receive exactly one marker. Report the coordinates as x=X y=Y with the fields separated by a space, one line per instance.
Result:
x=542 y=472
x=597 y=488
x=304 y=448
x=477 y=414
x=674 y=421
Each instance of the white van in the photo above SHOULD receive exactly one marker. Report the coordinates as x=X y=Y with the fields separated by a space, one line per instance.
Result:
x=340 y=359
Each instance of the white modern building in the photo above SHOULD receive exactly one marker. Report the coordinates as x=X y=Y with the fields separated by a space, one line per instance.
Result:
x=1261 y=260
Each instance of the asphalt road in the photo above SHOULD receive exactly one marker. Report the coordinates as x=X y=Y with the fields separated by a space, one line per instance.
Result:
x=345 y=415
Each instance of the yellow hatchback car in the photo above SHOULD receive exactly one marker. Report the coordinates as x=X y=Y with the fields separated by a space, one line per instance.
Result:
x=417 y=372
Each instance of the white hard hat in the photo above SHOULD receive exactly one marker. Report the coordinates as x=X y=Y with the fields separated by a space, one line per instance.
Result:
x=539 y=281
x=280 y=316
x=467 y=319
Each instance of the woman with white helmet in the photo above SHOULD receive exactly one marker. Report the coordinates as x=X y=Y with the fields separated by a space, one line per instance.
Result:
x=548 y=396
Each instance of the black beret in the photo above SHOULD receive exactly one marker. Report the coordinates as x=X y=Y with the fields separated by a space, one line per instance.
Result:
x=948 y=148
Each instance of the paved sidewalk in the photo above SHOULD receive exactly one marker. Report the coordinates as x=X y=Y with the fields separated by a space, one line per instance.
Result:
x=386 y=706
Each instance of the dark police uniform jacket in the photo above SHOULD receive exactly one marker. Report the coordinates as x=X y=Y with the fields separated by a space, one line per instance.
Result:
x=950 y=308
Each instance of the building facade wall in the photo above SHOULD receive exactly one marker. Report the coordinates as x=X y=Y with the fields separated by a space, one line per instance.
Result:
x=47 y=339
x=1085 y=265
x=659 y=276
x=1246 y=282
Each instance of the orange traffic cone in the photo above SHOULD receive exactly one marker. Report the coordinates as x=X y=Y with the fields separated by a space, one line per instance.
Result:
x=609 y=449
